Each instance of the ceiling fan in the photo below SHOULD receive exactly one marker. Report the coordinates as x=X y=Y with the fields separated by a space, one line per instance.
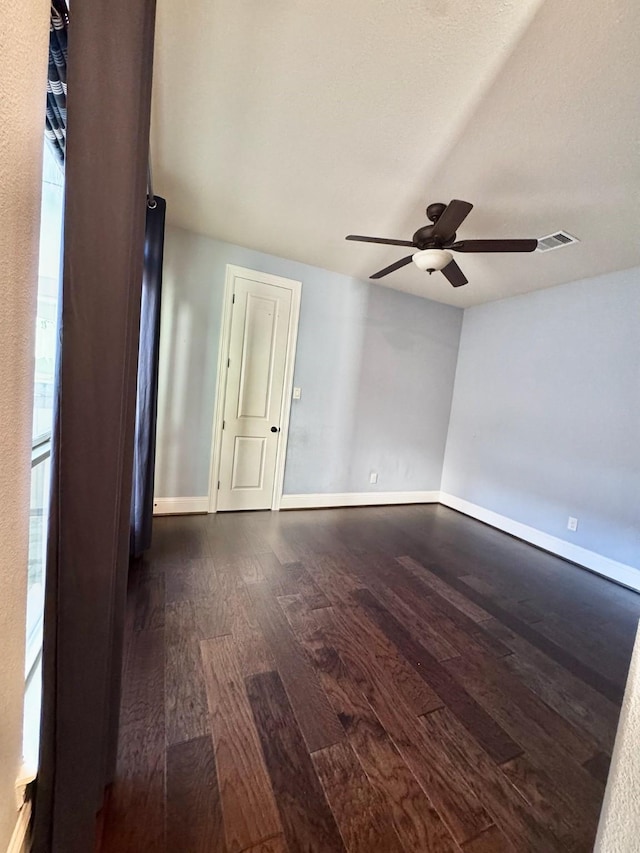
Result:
x=436 y=242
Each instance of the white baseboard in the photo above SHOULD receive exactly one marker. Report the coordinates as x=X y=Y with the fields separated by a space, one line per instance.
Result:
x=619 y=572
x=357 y=499
x=180 y=506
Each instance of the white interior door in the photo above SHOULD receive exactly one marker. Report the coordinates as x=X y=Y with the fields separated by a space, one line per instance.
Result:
x=258 y=340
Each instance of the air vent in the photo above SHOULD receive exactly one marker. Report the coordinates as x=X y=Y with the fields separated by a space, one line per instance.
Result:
x=555 y=241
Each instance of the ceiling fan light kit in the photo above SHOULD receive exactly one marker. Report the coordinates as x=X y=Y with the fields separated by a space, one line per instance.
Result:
x=430 y=260
x=434 y=241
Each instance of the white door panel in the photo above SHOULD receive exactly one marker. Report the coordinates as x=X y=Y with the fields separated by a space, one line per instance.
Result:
x=257 y=362
x=248 y=462
x=254 y=391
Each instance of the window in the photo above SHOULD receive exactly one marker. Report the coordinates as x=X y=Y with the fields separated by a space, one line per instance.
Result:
x=45 y=360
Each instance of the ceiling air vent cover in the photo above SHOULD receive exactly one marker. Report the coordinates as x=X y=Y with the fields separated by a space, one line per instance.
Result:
x=555 y=241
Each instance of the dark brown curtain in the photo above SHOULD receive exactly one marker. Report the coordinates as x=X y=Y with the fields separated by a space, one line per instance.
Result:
x=144 y=460
x=109 y=90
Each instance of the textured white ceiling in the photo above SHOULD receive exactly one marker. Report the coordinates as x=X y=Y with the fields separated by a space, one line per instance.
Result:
x=285 y=126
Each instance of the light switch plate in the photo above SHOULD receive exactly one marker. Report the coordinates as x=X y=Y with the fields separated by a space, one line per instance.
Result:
x=297 y=393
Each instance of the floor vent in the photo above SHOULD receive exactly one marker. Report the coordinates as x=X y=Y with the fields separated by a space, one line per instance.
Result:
x=555 y=241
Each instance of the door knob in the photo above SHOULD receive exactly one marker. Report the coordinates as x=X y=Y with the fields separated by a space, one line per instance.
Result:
x=275 y=429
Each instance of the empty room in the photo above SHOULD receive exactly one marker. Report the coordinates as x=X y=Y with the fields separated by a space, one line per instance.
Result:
x=329 y=538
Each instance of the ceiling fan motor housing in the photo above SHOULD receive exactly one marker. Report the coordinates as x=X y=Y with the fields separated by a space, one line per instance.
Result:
x=435 y=211
x=424 y=240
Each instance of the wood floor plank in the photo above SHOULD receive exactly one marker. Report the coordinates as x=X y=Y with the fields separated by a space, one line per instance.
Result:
x=306 y=817
x=136 y=811
x=190 y=579
x=316 y=717
x=248 y=806
x=426 y=625
x=283 y=549
x=392 y=668
x=456 y=804
x=179 y=541
x=416 y=821
x=460 y=631
x=526 y=713
x=147 y=590
x=522 y=609
x=194 y=813
x=598 y=766
x=360 y=812
x=270 y=566
x=254 y=654
x=270 y=845
x=507 y=807
x=486 y=730
x=427 y=602
x=306 y=627
x=187 y=714
x=294 y=579
x=238 y=537
x=466 y=633
x=606 y=686
x=578 y=744
x=204 y=618
x=451 y=619
x=247 y=566
x=550 y=804
x=300 y=538
x=541 y=749
x=458 y=599
x=569 y=696
x=589 y=647
x=490 y=841
x=257 y=526
x=333 y=574
x=380 y=575
x=382 y=656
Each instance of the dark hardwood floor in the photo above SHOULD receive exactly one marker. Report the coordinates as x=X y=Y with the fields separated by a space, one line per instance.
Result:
x=373 y=679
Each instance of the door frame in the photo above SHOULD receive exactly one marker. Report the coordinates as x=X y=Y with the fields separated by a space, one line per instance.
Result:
x=295 y=287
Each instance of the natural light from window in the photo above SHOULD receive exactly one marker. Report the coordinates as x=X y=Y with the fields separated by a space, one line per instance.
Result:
x=45 y=360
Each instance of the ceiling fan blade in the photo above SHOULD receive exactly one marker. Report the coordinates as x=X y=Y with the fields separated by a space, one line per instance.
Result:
x=454 y=274
x=451 y=219
x=393 y=267
x=390 y=242
x=494 y=246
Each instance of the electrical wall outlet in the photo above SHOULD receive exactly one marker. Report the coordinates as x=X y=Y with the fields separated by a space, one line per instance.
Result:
x=572 y=524
x=373 y=477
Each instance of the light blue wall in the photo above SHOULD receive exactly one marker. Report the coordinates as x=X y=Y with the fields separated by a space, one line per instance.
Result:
x=545 y=421
x=376 y=369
